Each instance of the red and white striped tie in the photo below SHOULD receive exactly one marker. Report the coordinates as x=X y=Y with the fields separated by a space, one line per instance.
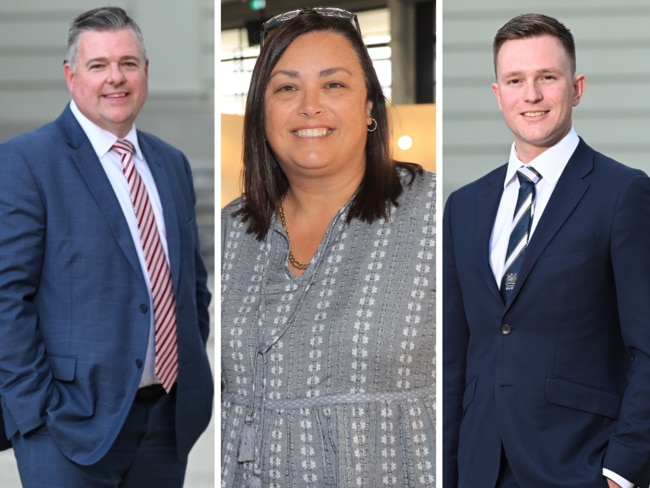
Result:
x=164 y=303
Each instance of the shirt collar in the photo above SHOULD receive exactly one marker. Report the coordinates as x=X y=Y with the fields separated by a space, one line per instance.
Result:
x=101 y=139
x=550 y=163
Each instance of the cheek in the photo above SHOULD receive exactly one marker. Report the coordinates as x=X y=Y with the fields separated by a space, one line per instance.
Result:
x=275 y=116
x=507 y=102
x=87 y=87
x=352 y=111
x=135 y=83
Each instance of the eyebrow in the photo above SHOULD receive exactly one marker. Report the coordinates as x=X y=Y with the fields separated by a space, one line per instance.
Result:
x=323 y=74
x=105 y=60
x=539 y=71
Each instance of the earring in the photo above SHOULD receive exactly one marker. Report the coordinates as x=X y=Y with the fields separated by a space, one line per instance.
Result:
x=372 y=127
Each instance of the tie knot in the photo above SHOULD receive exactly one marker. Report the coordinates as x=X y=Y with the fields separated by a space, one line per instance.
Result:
x=527 y=174
x=122 y=146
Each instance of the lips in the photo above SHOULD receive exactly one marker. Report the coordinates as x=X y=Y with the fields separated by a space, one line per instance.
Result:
x=534 y=114
x=116 y=95
x=312 y=132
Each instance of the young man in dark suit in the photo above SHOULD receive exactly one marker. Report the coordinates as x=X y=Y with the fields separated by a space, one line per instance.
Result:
x=546 y=315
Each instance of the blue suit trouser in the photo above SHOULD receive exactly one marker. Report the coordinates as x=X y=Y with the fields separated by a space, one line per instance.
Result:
x=143 y=455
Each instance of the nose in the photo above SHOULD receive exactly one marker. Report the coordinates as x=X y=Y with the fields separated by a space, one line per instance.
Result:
x=115 y=75
x=533 y=93
x=310 y=103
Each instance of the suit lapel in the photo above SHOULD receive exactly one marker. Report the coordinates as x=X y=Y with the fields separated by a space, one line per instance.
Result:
x=488 y=203
x=568 y=192
x=156 y=160
x=93 y=174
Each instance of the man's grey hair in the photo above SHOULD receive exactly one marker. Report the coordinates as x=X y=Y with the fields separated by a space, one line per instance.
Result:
x=100 y=19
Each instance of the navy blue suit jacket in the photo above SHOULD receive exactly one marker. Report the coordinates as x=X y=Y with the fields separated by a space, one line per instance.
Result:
x=565 y=386
x=74 y=306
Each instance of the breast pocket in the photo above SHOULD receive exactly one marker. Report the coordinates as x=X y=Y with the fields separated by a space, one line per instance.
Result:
x=572 y=244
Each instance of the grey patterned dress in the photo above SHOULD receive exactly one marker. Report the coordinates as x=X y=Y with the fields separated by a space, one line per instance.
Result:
x=329 y=378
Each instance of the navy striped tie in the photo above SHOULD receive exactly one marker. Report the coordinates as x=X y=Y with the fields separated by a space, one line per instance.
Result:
x=520 y=233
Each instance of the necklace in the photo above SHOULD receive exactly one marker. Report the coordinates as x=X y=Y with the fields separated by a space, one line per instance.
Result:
x=283 y=220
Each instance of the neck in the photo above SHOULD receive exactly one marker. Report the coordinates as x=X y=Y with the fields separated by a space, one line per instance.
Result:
x=319 y=195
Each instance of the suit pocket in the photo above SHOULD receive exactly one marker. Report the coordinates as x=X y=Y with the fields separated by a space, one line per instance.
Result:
x=468 y=396
x=567 y=393
x=63 y=368
x=571 y=244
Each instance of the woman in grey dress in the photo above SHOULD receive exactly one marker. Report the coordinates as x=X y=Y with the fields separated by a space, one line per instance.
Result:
x=328 y=273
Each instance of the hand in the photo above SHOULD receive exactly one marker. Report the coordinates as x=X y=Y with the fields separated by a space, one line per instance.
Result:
x=612 y=484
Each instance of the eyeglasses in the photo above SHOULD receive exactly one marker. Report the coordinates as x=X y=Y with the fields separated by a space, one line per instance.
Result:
x=278 y=20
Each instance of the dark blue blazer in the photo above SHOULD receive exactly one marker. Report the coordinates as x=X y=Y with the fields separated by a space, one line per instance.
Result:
x=74 y=307
x=561 y=375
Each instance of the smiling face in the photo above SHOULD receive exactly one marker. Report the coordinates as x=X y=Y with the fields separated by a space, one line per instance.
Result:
x=536 y=91
x=317 y=108
x=109 y=81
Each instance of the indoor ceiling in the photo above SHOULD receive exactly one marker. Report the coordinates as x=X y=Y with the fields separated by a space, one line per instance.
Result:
x=235 y=13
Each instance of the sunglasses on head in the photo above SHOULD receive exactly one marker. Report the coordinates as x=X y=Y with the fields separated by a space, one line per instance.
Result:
x=280 y=19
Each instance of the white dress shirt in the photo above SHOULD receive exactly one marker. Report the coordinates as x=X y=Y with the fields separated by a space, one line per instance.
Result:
x=550 y=164
x=102 y=142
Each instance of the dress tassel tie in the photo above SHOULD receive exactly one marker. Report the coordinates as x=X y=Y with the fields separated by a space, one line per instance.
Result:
x=247 y=441
x=255 y=481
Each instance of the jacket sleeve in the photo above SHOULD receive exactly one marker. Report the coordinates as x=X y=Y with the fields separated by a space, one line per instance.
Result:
x=202 y=294
x=628 y=451
x=455 y=337
x=25 y=374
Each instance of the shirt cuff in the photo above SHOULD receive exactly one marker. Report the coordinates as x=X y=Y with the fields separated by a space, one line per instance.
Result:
x=616 y=478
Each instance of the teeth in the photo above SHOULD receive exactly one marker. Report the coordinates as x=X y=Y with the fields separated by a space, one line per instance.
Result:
x=533 y=114
x=312 y=132
x=117 y=95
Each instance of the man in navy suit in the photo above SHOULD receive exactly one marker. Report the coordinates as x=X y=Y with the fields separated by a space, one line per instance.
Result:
x=81 y=399
x=546 y=365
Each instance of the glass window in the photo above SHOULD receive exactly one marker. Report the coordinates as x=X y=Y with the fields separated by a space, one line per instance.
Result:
x=238 y=59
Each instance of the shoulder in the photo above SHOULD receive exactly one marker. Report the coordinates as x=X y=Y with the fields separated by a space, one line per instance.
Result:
x=149 y=141
x=604 y=167
x=418 y=195
x=611 y=167
x=34 y=154
x=419 y=186
x=230 y=214
x=172 y=159
x=234 y=206
x=606 y=179
x=491 y=181
x=42 y=139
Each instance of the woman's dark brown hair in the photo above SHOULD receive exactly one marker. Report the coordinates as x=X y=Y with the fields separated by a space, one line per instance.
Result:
x=265 y=183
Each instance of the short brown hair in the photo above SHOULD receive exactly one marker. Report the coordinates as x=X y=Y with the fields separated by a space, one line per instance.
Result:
x=534 y=25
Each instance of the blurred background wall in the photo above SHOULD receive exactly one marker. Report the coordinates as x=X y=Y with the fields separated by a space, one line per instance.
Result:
x=613 y=52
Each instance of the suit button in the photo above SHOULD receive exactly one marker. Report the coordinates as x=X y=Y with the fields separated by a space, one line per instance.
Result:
x=506 y=329
x=138 y=363
x=144 y=308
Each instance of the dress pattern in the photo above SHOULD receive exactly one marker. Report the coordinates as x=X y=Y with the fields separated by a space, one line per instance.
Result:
x=332 y=372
